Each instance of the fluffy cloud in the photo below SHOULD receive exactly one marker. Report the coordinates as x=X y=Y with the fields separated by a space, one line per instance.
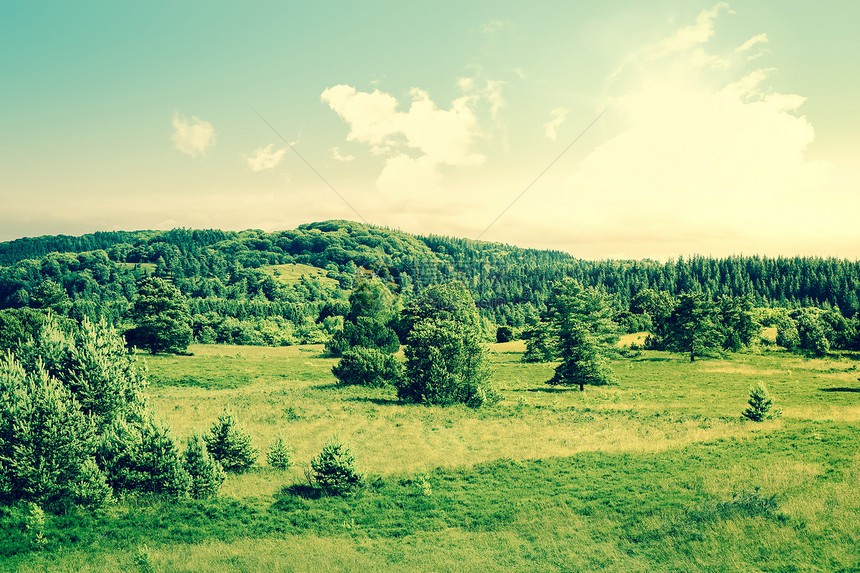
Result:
x=698 y=162
x=419 y=141
x=688 y=37
x=265 y=158
x=444 y=136
x=557 y=117
x=192 y=136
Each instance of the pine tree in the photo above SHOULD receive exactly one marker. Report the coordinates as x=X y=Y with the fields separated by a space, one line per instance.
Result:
x=161 y=316
x=582 y=317
x=229 y=445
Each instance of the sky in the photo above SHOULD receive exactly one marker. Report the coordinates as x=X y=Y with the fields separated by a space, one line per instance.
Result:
x=616 y=129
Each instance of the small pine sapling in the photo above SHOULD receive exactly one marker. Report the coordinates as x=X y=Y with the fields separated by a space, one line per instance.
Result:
x=229 y=445
x=279 y=454
x=206 y=473
x=760 y=405
x=334 y=469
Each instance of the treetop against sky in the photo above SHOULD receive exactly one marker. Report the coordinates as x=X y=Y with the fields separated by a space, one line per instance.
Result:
x=715 y=128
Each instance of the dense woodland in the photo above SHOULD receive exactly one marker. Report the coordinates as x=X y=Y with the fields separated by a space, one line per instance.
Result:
x=235 y=296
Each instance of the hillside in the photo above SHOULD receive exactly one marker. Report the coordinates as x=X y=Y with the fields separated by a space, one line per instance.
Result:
x=243 y=285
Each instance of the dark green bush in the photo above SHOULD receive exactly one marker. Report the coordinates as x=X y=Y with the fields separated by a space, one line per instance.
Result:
x=367 y=367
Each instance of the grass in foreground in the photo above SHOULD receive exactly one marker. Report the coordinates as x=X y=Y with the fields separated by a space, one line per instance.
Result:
x=659 y=473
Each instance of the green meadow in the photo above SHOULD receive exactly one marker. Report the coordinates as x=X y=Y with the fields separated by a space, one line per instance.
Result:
x=657 y=473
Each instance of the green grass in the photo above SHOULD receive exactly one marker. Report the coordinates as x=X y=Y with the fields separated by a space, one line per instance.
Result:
x=291 y=273
x=658 y=473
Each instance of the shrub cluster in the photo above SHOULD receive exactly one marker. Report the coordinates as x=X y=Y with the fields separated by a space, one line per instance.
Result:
x=75 y=428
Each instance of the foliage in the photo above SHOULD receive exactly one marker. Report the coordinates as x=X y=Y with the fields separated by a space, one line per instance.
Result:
x=94 y=364
x=47 y=443
x=230 y=445
x=140 y=456
x=541 y=343
x=161 y=316
x=367 y=367
x=657 y=306
x=205 y=472
x=74 y=425
x=445 y=364
x=504 y=334
x=786 y=333
x=760 y=405
x=334 y=468
x=582 y=319
x=279 y=455
x=693 y=327
x=811 y=332
x=450 y=302
x=363 y=332
x=736 y=322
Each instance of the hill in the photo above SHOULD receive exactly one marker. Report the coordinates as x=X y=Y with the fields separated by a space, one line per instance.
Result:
x=240 y=290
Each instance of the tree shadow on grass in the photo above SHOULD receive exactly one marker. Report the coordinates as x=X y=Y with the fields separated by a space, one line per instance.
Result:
x=551 y=389
x=839 y=389
x=376 y=401
x=301 y=490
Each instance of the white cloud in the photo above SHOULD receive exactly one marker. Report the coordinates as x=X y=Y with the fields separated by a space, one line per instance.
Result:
x=445 y=136
x=759 y=41
x=557 y=117
x=691 y=36
x=338 y=156
x=265 y=158
x=708 y=162
x=754 y=41
x=192 y=136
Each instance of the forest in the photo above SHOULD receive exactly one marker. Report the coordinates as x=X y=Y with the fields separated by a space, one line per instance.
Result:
x=238 y=289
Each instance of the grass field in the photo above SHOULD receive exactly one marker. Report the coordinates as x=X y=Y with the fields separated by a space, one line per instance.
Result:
x=657 y=473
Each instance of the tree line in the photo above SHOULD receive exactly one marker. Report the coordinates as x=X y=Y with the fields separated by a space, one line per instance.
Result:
x=233 y=297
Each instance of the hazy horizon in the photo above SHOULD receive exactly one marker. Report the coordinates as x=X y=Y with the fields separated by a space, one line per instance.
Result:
x=721 y=128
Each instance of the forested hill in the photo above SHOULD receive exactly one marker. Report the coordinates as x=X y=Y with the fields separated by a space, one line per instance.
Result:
x=257 y=282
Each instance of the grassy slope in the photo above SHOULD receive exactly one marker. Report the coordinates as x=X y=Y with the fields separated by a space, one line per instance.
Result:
x=659 y=473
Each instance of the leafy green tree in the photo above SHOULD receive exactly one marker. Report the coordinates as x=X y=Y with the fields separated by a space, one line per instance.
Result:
x=541 y=343
x=786 y=333
x=49 y=295
x=737 y=323
x=445 y=364
x=582 y=319
x=811 y=331
x=372 y=299
x=367 y=367
x=47 y=443
x=160 y=313
x=74 y=424
x=443 y=302
x=504 y=334
x=658 y=306
x=142 y=457
x=693 y=327
x=365 y=332
x=230 y=445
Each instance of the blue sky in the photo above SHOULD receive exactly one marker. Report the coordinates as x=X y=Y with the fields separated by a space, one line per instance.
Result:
x=727 y=128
